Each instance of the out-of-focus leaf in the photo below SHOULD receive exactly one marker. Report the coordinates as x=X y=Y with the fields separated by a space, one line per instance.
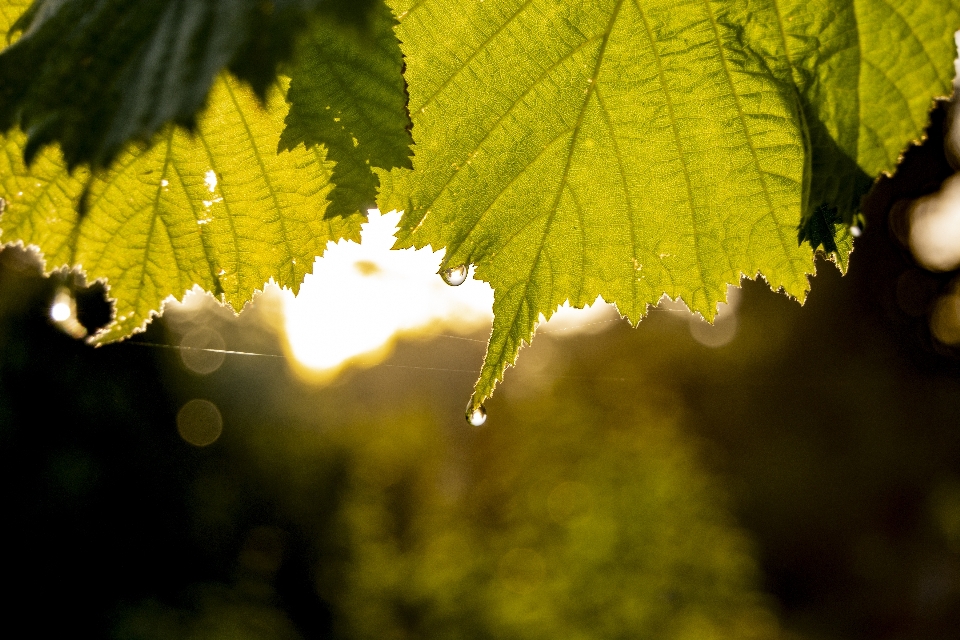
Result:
x=95 y=74
x=558 y=520
x=218 y=208
x=631 y=149
x=347 y=92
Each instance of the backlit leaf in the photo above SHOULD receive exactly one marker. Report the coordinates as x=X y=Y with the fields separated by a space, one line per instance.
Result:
x=220 y=209
x=636 y=148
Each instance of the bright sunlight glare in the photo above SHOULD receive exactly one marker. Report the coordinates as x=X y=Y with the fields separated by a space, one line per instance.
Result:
x=362 y=297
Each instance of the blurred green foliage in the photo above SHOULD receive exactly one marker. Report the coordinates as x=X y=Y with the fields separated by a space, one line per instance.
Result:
x=569 y=516
x=559 y=520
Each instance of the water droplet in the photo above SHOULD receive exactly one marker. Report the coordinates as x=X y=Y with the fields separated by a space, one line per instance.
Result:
x=62 y=308
x=164 y=183
x=63 y=312
x=454 y=276
x=476 y=416
x=855 y=230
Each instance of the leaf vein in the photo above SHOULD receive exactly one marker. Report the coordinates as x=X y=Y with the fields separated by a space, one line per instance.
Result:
x=771 y=211
x=496 y=125
x=480 y=47
x=676 y=136
x=266 y=178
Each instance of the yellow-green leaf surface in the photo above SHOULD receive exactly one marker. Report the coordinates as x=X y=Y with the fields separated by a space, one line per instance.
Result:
x=220 y=208
x=636 y=148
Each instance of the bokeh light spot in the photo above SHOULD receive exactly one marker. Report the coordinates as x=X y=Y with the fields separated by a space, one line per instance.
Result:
x=724 y=327
x=202 y=350
x=720 y=333
x=935 y=228
x=945 y=321
x=199 y=422
x=915 y=291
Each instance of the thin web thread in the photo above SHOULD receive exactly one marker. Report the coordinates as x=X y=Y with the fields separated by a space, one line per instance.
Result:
x=177 y=347
x=476 y=372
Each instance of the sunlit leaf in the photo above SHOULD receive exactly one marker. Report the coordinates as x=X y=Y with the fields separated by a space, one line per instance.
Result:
x=220 y=209
x=347 y=92
x=632 y=149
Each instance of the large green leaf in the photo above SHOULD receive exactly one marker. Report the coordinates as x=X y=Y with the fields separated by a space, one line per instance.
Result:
x=94 y=74
x=636 y=148
x=219 y=208
x=347 y=92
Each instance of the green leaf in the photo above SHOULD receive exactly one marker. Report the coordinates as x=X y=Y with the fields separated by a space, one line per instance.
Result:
x=636 y=148
x=95 y=74
x=220 y=209
x=347 y=92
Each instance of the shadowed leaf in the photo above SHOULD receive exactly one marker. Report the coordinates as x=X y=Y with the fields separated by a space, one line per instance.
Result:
x=347 y=92
x=94 y=74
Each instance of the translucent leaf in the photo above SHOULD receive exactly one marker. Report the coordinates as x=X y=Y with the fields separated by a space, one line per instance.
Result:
x=632 y=149
x=220 y=209
x=347 y=92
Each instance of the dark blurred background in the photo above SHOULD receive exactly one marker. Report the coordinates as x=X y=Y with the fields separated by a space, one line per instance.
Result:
x=800 y=481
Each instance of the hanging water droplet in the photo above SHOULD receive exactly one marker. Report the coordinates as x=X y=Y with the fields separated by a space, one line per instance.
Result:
x=855 y=230
x=476 y=416
x=63 y=312
x=454 y=276
x=62 y=308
